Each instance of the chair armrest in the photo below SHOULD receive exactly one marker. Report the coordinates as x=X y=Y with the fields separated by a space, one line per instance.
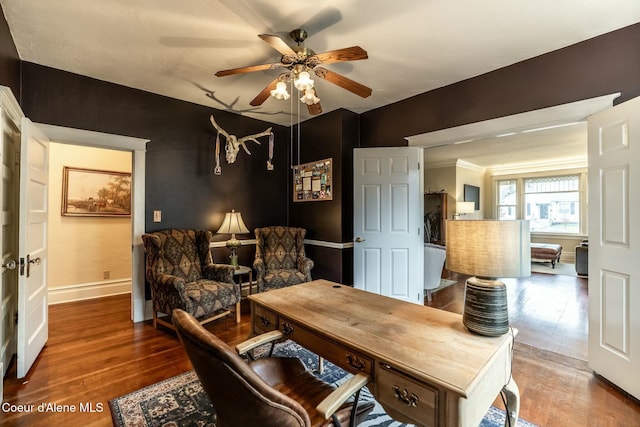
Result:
x=305 y=265
x=219 y=272
x=257 y=341
x=334 y=401
x=171 y=282
x=258 y=266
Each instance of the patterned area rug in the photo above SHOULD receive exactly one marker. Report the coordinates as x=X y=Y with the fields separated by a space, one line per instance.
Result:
x=181 y=401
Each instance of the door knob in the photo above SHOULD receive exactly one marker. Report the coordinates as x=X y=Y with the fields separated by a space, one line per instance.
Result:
x=11 y=264
x=31 y=261
x=359 y=240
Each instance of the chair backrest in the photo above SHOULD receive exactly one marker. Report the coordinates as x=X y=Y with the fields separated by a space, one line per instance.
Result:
x=181 y=253
x=239 y=396
x=280 y=247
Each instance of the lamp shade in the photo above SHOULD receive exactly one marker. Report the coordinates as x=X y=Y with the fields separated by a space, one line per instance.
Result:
x=465 y=207
x=233 y=224
x=489 y=248
x=303 y=81
x=280 y=92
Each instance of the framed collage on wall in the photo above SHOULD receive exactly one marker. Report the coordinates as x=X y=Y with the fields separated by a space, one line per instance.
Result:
x=312 y=181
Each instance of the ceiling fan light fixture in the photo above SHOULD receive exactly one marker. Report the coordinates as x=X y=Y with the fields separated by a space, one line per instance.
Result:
x=303 y=81
x=280 y=92
x=310 y=97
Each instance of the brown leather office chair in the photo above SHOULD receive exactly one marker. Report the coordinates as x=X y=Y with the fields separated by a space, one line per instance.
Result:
x=269 y=392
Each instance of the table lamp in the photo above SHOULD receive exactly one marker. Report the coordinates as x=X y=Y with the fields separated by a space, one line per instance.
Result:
x=488 y=249
x=233 y=224
x=463 y=208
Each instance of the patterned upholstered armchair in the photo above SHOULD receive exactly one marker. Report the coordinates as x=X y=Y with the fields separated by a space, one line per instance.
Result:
x=181 y=273
x=280 y=257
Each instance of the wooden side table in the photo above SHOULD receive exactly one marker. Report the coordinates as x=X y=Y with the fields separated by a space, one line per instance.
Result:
x=242 y=271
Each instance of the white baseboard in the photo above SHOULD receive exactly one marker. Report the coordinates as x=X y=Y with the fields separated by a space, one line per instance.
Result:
x=85 y=291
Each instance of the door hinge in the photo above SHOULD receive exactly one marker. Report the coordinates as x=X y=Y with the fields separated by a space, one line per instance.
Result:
x=15 y=318
x=22 y=266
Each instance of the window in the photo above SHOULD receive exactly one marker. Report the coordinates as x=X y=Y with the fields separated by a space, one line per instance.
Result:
x=507 y=198
x=552 y=204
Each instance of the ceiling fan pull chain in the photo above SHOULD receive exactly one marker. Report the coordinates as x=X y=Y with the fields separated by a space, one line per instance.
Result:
x=269 y=161
x=217 y=170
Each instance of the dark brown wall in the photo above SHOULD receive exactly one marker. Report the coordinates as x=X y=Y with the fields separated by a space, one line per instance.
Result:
x=606 y=64
x=9 y=59
x=180 y=157
x=332 y=135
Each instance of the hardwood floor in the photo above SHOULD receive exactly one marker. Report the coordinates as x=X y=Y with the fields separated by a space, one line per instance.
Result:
x=95 y=354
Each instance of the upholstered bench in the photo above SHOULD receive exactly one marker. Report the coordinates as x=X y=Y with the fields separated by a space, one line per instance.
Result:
x=546 y=252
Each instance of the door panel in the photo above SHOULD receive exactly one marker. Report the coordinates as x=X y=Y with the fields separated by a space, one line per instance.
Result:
x=372 y=261
x=614 y=245
x=11 y=117
x=33 y=325
x=388 y=221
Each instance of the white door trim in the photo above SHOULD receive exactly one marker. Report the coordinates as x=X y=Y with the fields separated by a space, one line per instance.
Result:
x=137 y=146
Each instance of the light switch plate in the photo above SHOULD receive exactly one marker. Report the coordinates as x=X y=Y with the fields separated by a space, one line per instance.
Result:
x=157 y=216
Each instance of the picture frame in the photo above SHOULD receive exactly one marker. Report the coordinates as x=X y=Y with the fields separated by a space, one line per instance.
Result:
x=312 y=182
x=472 y=194
x=95 y=193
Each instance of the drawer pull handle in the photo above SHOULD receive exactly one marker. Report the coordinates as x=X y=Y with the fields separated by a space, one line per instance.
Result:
x=404 y=397
x=287 y=329
x=264 y=321
x=356 y=363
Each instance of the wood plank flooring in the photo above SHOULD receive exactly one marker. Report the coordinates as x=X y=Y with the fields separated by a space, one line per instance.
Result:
x=95 y=353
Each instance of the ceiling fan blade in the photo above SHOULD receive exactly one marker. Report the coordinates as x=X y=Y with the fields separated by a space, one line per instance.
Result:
x=249 y=69
x=277 y=43
x=265 y=93
x=314 y=109
x=343 y=82
x=353 y=53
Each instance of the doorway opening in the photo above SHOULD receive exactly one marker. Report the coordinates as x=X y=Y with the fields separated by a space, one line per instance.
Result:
x=89 y=253
x=137 y=148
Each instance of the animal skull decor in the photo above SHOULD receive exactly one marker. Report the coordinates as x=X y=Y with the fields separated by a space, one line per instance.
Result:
x=233 y=144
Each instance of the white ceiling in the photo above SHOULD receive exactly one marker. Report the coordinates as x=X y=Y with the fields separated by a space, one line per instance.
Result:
x=173 y=48
x=564 y=147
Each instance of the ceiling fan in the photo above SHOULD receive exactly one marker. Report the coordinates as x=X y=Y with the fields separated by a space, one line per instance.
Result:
x=298 y=61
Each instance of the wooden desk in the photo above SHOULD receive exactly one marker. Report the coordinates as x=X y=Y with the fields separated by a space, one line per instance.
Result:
x=426 y=368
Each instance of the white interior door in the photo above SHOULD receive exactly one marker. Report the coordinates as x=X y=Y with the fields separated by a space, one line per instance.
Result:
x=614 y=245
x=388 y=221
x=33 y=319
x=9 y=151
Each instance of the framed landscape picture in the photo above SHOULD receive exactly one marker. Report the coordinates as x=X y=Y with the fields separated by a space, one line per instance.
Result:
x=91 y=192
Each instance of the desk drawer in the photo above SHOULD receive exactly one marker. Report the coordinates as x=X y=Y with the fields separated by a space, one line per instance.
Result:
x=409 y=400
x=341 y=356
x=264 y=320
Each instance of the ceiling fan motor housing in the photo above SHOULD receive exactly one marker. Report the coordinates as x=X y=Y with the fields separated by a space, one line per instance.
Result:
x=298 y=35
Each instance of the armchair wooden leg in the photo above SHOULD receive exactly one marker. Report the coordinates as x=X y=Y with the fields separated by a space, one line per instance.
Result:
x=238 y=312
x=155 y=319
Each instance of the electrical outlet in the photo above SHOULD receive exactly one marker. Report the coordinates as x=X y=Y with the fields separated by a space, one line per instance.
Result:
x=157 y=216
x=106 y=274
